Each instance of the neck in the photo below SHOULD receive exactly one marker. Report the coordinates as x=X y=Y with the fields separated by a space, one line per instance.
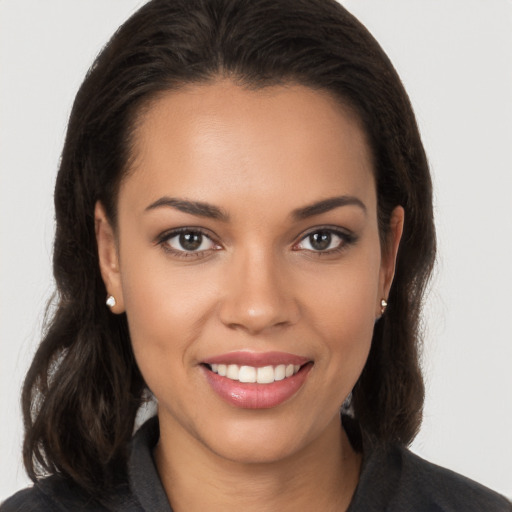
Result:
x=322 y=476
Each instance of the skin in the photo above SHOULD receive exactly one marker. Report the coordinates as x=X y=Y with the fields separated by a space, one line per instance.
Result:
x=259 y=285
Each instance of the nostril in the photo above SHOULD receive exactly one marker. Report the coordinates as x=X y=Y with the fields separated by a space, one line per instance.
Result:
x=256 y=305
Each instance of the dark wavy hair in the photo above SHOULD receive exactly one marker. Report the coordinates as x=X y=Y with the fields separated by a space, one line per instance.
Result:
x=84 y=388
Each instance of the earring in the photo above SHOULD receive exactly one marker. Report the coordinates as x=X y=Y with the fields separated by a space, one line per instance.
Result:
x=111 y=301
x=383 y=306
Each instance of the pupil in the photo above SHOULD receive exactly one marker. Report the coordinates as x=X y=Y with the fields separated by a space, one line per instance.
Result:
x=190 y=241
x=321 y=240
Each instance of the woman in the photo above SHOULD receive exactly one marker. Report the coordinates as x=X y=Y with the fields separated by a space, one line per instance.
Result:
x=244 y=185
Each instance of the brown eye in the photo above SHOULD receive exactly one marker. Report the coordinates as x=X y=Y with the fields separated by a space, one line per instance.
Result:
x=189 y=241
x=325 y=241
x=320 y=241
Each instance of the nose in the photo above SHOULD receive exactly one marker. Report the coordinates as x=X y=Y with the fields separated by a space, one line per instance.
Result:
x=257 y=297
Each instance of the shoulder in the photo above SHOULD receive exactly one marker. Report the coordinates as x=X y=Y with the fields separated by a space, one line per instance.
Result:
x=57 y=494
x=393 y=479
x=426 y=486
x=28 y=500
x=36 y=498
x=139 y=490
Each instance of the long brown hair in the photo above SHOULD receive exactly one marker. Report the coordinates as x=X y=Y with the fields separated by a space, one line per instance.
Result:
x=83 y=389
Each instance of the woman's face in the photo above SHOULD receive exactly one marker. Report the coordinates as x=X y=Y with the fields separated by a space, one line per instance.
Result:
x=247 y=249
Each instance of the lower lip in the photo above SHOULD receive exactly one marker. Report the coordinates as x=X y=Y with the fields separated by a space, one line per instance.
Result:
x=257 y=396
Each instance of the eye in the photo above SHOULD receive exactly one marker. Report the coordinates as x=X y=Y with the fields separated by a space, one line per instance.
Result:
x=187 y=242
x=324 y=240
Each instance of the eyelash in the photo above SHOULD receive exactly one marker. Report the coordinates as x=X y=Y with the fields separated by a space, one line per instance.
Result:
x=164 y=239
x=346 y=239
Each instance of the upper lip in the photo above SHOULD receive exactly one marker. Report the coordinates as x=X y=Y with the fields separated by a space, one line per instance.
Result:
x=257 y=359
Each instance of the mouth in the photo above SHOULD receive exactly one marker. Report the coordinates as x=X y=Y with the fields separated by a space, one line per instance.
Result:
x=256 y=381
x=253 y=374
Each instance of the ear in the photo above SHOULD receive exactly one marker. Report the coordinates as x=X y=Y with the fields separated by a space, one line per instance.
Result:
x=108 y=257
x=389 y=254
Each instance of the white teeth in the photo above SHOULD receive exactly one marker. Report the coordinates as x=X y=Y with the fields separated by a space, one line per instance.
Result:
x=265 y=375
x=280 y=372
x=247 y=374
x=261 y=375
x=233 y=372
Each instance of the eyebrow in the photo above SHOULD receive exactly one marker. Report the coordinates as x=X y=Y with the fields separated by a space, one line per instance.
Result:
x=326 y=205
x=210 y=211
x=197 y=208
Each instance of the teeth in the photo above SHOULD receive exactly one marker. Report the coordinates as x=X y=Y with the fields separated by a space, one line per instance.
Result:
x=262 y=375
x=247 y=374
x=233 y=372
x=265 y=375
x=280 y=372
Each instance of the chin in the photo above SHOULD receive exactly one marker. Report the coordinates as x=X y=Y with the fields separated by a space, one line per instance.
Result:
x=261 y=449
x=261 y=438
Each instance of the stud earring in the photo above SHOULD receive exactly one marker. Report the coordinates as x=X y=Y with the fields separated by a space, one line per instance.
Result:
x=111 y=301
x=383 y=306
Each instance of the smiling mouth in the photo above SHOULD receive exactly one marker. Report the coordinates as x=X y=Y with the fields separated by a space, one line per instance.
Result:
x=256 y=381
x=252 y=374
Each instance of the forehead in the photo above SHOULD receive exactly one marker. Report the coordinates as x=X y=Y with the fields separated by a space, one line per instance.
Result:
x=276 y=143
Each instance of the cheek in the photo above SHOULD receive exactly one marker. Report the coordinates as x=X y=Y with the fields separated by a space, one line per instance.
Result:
x=165 y=310
x=343 y=316
x=343 y=298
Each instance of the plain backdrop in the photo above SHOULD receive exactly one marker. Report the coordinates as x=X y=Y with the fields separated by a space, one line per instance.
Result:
x=455 y=58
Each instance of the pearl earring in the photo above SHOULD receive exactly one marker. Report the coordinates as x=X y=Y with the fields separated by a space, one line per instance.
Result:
x=111 y=301
x=383 y=306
